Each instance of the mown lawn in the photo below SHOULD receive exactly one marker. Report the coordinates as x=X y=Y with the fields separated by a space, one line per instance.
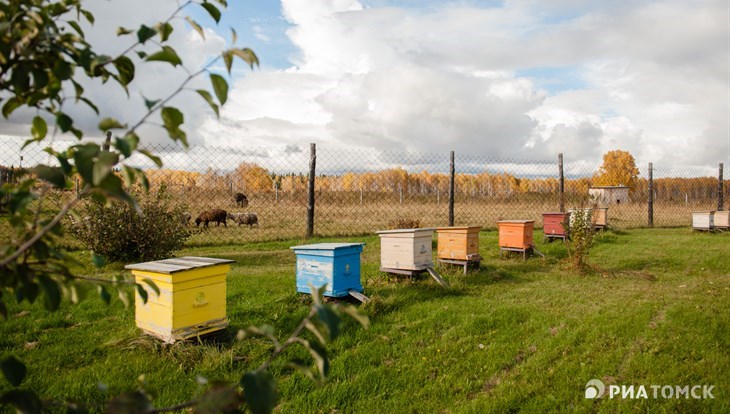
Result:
x=514 y=336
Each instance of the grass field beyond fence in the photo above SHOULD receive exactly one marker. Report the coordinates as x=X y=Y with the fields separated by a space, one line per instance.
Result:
x=513 y=336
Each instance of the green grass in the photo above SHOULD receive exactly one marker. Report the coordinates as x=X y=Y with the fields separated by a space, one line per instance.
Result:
x=513 y=336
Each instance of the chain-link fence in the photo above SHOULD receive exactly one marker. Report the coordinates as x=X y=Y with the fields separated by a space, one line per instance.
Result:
x=359 y=191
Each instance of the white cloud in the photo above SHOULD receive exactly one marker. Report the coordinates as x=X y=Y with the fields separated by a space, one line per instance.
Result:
x=651 y=77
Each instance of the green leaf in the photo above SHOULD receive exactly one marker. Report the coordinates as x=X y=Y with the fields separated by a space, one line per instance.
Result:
x=26 y=402
x=320 y=357
x=167 y=54
x=128 y=144
x=133 y=402
x=76 y=27
x=39 y=128
x=103 y=294
x=314 y=329
x=220 y=398
x=141 y=54
x=152 y=286
x=103 y=166
x=228 y=60
x=259 y=391
x=110 y=123
x=172 y=118
x=13 y=370
x=125 y=68
x=64 y=121
x=223 y=3
x=88 y=15
x=11 y=105
x=302 y=367
x=234 y=36
x=124 y=297
x=329 y=319
x=90 y=104
x=149 y=103
x=165 y=29
x=220 y=87
x=195 y=26
x=98 y=260
x=209 y=98
x=142 y=292
x=83 y=156
x=213 y=11
x=354 y=314
x=121 y=31
x=247 y=55
x=152 y=157
x=53 y=293
x=53 y=175
x=145 y=33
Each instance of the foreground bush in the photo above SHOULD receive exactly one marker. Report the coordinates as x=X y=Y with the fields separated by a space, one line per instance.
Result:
x=119 y=233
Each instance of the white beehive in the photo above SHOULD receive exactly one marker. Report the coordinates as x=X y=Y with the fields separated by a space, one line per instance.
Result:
x=703 y=220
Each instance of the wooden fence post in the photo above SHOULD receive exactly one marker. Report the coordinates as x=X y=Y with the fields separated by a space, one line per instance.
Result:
x=720 y=190
x=561 y=196
x=651 y=195
x=310 y=203
x=451 y=189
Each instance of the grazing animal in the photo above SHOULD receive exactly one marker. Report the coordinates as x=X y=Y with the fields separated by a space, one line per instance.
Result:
x=216 y=215
x=186 y=218
x=249 y=219
x=241 y=200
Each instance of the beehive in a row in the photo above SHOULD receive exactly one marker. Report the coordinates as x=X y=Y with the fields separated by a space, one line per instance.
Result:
x=708 y=220
x=192 y=298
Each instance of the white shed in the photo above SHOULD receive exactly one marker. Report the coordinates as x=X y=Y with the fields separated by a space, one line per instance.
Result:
x=605 y=196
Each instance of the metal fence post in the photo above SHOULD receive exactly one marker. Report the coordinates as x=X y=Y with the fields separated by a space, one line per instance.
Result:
x=561 y=196
x=720 y=191
x=451 y=189
x=310 y=203
x=651 y=195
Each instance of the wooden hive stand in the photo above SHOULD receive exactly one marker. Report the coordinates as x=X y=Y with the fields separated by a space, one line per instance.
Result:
x=459 y=246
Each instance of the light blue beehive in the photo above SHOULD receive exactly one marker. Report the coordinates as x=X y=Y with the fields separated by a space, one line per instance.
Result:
x=336 y=265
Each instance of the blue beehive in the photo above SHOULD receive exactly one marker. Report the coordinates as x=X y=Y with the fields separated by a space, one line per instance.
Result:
x=336 y=265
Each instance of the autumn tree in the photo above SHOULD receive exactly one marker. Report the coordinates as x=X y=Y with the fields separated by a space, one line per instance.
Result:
x=252 y=177
x=618 y=168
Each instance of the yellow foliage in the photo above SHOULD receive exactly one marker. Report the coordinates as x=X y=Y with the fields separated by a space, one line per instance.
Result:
x=619 y=168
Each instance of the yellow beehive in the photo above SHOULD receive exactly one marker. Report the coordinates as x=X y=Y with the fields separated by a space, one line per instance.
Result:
x=458 y=243
x=192 y=299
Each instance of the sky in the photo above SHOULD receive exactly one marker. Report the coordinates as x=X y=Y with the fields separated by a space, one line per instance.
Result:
x=512 y=79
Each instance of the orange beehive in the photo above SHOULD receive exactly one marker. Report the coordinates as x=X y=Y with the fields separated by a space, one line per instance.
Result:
x=516 y=234
x=458 y=243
